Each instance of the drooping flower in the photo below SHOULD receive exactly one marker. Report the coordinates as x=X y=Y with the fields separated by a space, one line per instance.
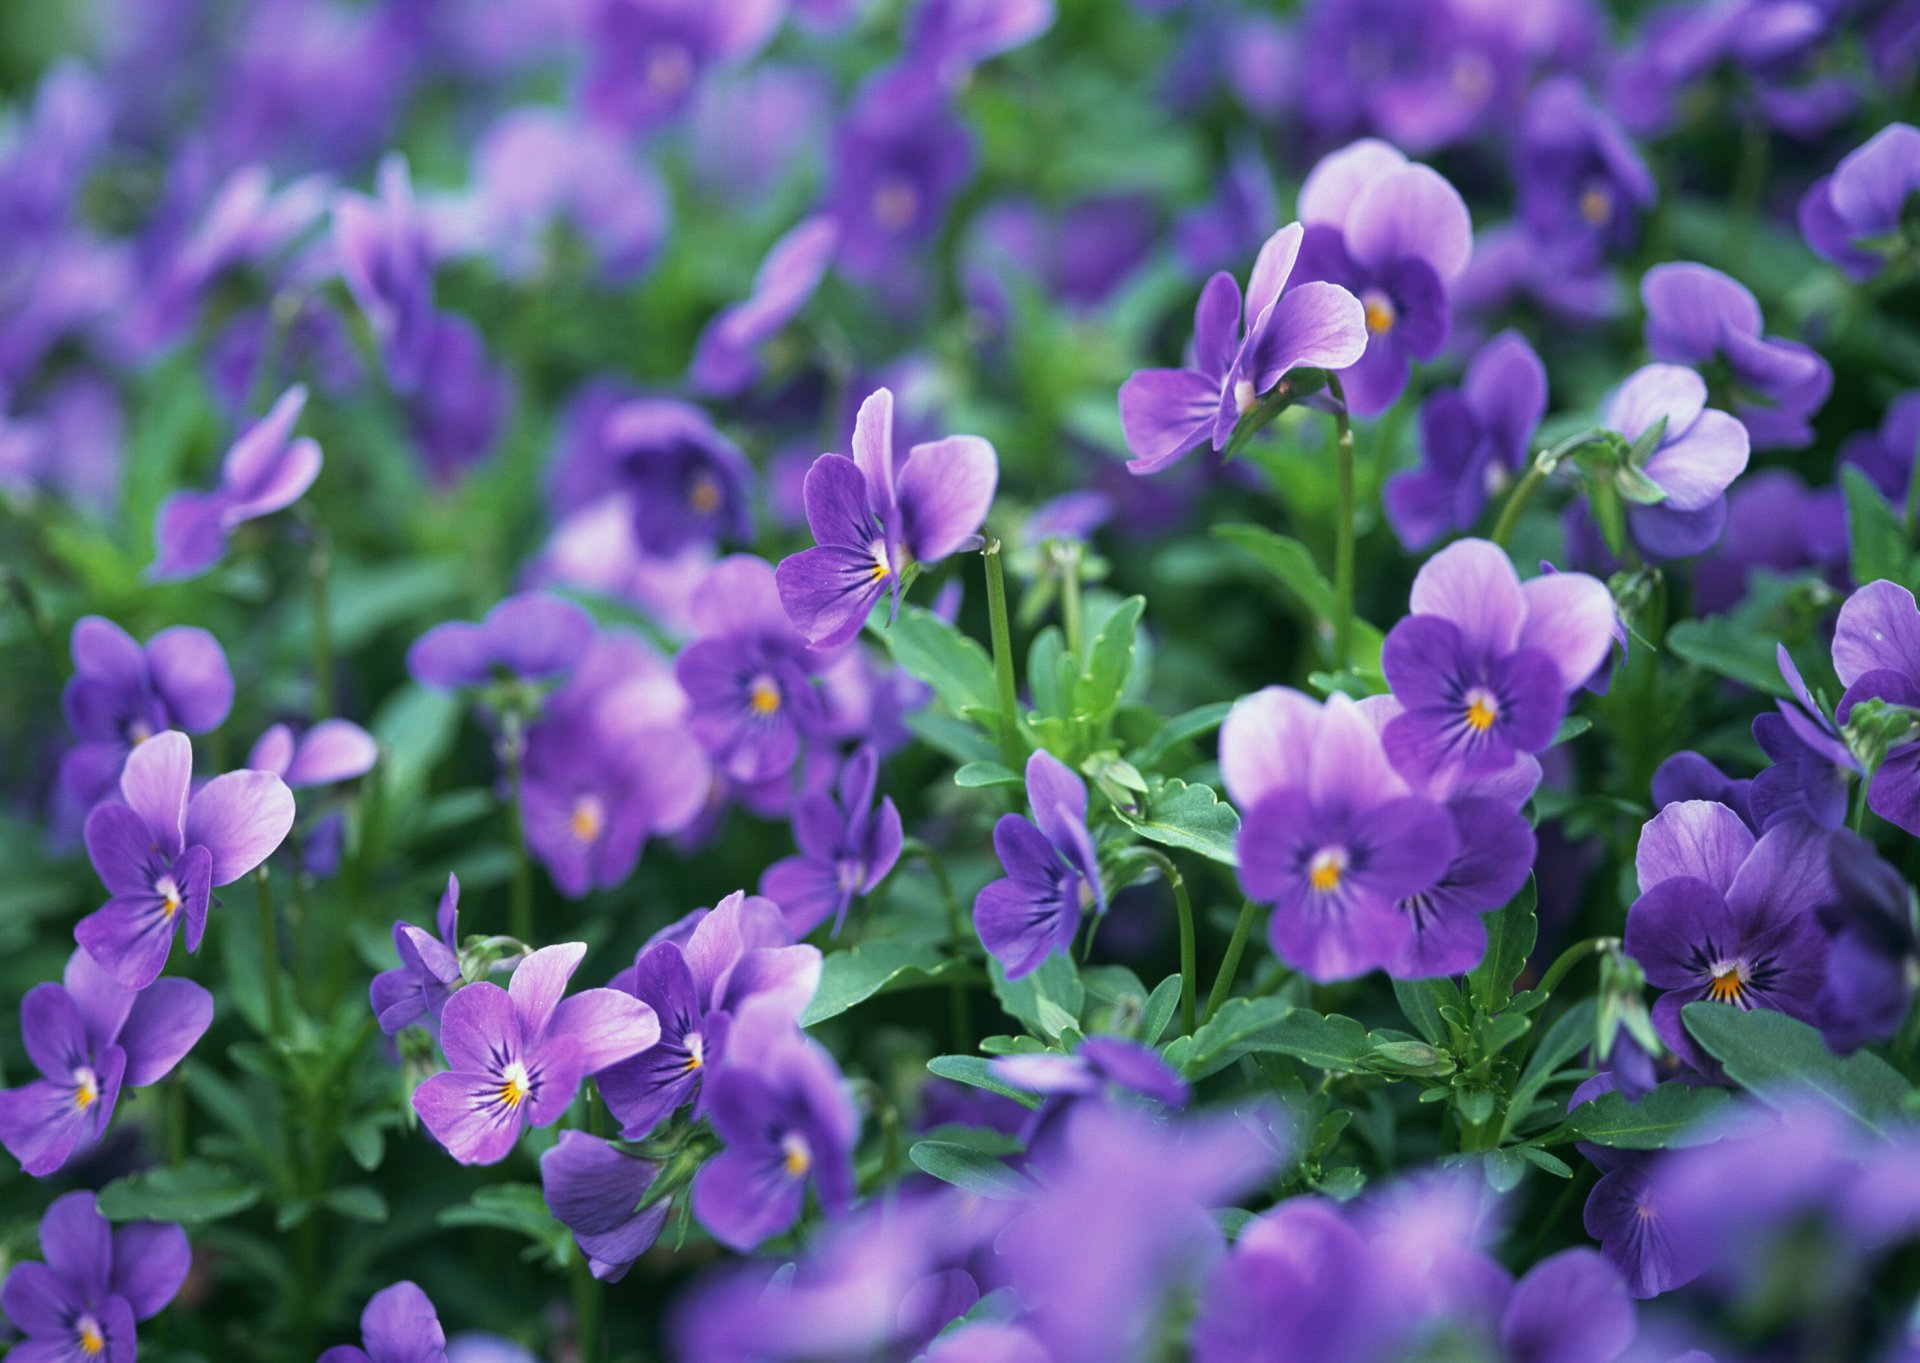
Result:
x=517 y=1055
x=1689 y=776
x=1582 y=183
x=399 y=1325
x=1241 y=352
x=386 y=258
x=1857 y=216
x=873 y=516
x=162 y=854
x=532 y=638
x=726 y=358
x=1485 y=664
x=1330 y=834
x=1700 y=317
x=1727 y=918
x=1473 y=441
x=647 y=57
x=782 y=1108
x=1874 y=959
x=1053 y=872
x=1876 y=652
x=262 y=473
x=332 y=751
x=1103 y=1068
x=122 y=694
x=429 y=969
x=90 y=1037
x=1700 y=451
x=1395 y=235
x=594 y=1190
x=847 y=846
x=95 y=1283
x=695 y=976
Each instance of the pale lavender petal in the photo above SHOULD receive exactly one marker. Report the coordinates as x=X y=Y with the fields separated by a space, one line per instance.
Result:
x=401 y=1321
x=1165 y=414
x=873 y=449
x=1570 y=618
x=1697 y=467
x=1473 y=584
x=1695 y=838
x=1266 y=743
x=1271 y=269
x=478 y=1024
x=1879 y=627
x=189 y=535
x=451 y=656
x=1411 y=211
x=828 y=591
x=539 y=981
x=1653 y=392
x=332 y=750
x=945 y=490
x=154 y=784
x=1216 y=328
x=272 y=751
x=241 y=818
x=167 y=1020
x=190 y=672
x=1314 y=325
x=466 y=1115
x=537 y=636
x=1334 y=185
x=608 y=1025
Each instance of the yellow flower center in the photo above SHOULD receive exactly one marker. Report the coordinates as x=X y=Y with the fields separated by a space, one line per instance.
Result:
x=895 y=204
x=138 y=732
x=1482 y=710
x=1329 y=864
x=514 y=1087
x=795 y=1156
x=880 y=565
x=1471 y=76
x=1729 y=983
x=696 y=1052
x=763 y=696
x=704 y=495
x=92 y=1341
x=86 y=1088
x=169 y=891
x=1381 y=314
x=588 y=818
x=1596 y=205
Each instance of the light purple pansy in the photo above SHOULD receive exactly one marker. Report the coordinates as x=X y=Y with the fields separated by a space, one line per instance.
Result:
x=1485 y=664
x=646 y=57
x=1849 y=216
x=872 y=516
x=516 y=1056
x=90 y=1037
x=594 y=1190
x=265 y=471
x=429 y=969
x=1053 y=872
x=847 y=846
x=1396 y=236
x=95 y=1283
x=899 y=158
x=1582 y=183
x=1242 y=350
x=1876 y=652
x=399 y=1325
x=162 y=854
x=121 y=694
x=454 y=414
x=951 y=37
x=1330 y=834
x=1813 y=769
x=1701 y=451
x=532 y=637
x=332 y=751
x=385 y=256
x=727 y=357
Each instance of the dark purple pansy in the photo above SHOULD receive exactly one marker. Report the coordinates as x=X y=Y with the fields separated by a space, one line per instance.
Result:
x=726 y=358
x=873 y=517
x=1886 y=455
x=95 y=1283
x=1582 y=184
x=1701 y=450
x=898 y=159
x=529 y=638
x=1053 y=872
x=1874 y=959
x=847 y=846
x=1856 y=215
x=399 y=1325
x=386 y=258
x=646 y=57
x=121 y=694
x=1775 y=524
x=456 y=412
x=1813 y=770
x=685 y=482
x=429 y=969
x=1876 y=652
x=594 y=1190
x=1689 y=776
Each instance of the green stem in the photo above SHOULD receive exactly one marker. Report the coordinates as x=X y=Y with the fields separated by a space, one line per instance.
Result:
x=1230 y=963
x=1571 y=957
x=914 y=849
x=177 y=1116
x=1070 y=614
x=1011 y=747
x=270 y=955
x=1516 y=503
x=1749 y=182
x=521 y=916
x=297 y=913
x=1859 y=820
x=1189 y=970
x=1343 y=531
x=319 y=567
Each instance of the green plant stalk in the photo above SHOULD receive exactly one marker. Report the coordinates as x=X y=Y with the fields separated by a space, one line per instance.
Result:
x=319 y=569
x=520 y=918
x=1343 y=531
x=1230 y=963
x=1011 y=748
x=1571 y=957
x=1070 y=613
x=1189 y=971
x=270 y=955
x=1859 y=820
x=1516 y=503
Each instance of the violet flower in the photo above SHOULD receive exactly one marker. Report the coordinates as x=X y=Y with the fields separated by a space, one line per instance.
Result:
x=1485 y=664
x=1689 y=776
x=898 y=159
x=594 y=1190
x=332 y=751
x=161 y=854
x=1859 y=214
x=782 y=1108
x=1229 y=226
x=1813 y=769
x=1876 y=652
x=1886 y=455
x=122 y=694
x=1699 y=317
x=89 y=1038
x=847 y=847
x=1241 y=352
x=646 y=57
x=1726 y=918
x=695 y=976
x=530 y=638
x=1700 y=451
x=429 y=969
x=265 y=471
x=456 y=411
x=399 y=1325
x=386 y=258
x=1582 y=183
x=1874 y=959
x=1474 y=441
x=1299 y=1282
x=951 y=37
x=683 y=482
x=1330 y=834
x=873 y=517
x=95 y=1283
x=727 y=357
x=1395 y=235
x=1053 y=872
x=517 y=1055
x=1103 y=1068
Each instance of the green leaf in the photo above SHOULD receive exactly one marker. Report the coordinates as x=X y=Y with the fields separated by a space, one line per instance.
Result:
x=1290 y=562
x=968 y=1169
x=1047 y=1000
x=1421 y=1000
x=849 y=978
x=414 y=728
x=1669 y=1116
x=1182 y=728
x=1270 y=1025
x=1189 y=817
x=357 y=1201
x=1569 y=1034
x=517 y=1207
x=192 y=1192
x=1724 y=646
x=1782 y=1059
x=955 y=666
x=977 y=1072
x=1510 y=936
x=1110 y=661
x=975 y=775
x=1161 y=1005
x=1051 y=698
x=1879 y=546
x=1571 y=727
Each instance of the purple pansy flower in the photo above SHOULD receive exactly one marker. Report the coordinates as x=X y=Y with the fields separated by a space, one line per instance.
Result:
x=647 y=56
x=1775 y=524
x=726 y=358
x=429 y=969
x=1053 y=872
x=1876 y=652
x=951 y=37
x=386 y=259
x=1851 y=216
x=161 y=854
x=399 y=1325
x=873 y=516
x=748 y=674
x=332 y=751
x=847 y=846
x=1627 y=1211
x=456 y=411
x=121 y=695
x=264 y=472
x=1102 y=1067
x=1241 y=351
x=1700 y=452
x=1330 y=834
x=1874 y=960
x=695 y=976
x=1485 y=664
x=1886 y=455
x=532 y=637
x=898 y=159
x=1473 y=442
x=594 y=1190
x=1395 y=235
x=1582 y=183
x=1813 y=769
x=1726 y=918
x=517 y=1055
x=685 y=482
x=95 y=1283
x=1699 y=317
x=1689 y=776
x=89 y=1038
x=782 y=1108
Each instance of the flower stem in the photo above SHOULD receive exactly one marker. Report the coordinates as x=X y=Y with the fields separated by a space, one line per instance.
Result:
x=1516 y=503
x=1859 y=821
x=1343 y=532
x=521 y=916
x=1070 y=614
x=270 y=954
x=1230 y=963
x=1189 y=970
x=914 y=848
x=1011 y=748
x=1571 y=957
x=319 y=566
